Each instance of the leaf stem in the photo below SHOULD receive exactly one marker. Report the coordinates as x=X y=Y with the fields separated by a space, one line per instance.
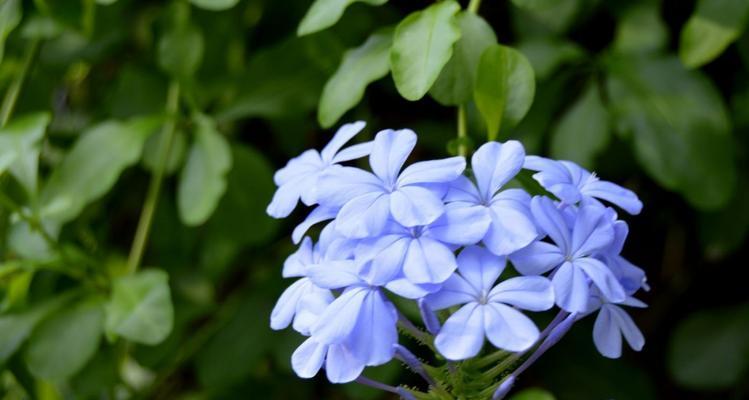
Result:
x=474 y=5
x=462 y=131
x=14 y=89
x=34 y=223
x=154 y=189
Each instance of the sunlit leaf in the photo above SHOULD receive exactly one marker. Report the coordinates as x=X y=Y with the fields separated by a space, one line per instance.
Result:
x=422 y=45
x=325 y=13
x=10 y=17
x=533 y=394
x=19 y=148
x=713 y=26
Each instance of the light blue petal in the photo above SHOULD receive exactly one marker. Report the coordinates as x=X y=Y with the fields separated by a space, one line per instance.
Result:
x=571 y=288
x=338 y=185
x=284 y=199
x=462 y=336
x=494 y=164
x=551 y=222
x=629 y=275
x=463 y=190
x=413 y=206
x=537 y=258
x=508 y=329
x=387 y=264
x=461 y=225
x=296 y=264
x=603 y=278
x=285 y=308
x=389 y=153
x=306 y=163
x=629 y=330
x=308 y=358
x=341 y=137
x=512 y=226
x=312 y=304
x=342 y=366
x=606 y=335
x=592 y=232
x=375 y=334
x=428 y=261
x=405 y=288
x=317 y=215
x=339 y=319
x=354 y=152
x=334 y=274
x=364 y=216
x=455 y=290
x=480 y=268
x=433 y=171
x=533 y=293
x=613 y=193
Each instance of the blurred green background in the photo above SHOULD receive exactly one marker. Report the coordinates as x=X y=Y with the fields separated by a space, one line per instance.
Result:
x=653 y=95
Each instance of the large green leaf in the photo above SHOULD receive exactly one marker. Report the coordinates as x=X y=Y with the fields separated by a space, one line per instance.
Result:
x=203 y=178
x=10 y=17
x=19 y=148
x=682 y=135
x=215 y=5
x=454 y=86
x=61 y=345
x=584 y=131
x=713 y=26
x=360 y=67
x=93 y=165
x=141 y=307
x=325 y=13
x=181 y=51
x=422 y=45
x=15 y=328
x=533 y=394
x=504 y=88
x=710 y=349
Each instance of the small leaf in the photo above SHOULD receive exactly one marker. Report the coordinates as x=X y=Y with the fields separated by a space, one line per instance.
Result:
x=10 y=17
x=641 y=30
x=181 y=51
x=19 y=148
x=325 y=13
x=547 y=54
x=422 y=45
x=360 y=67
x=555 y=15
x=15 y=328
x=176 y=153
x=93 y=165
x=583 y=132
x=504 y=88
x=141 y=307
x=714 y=25
x=62 y=344
x=533 y=394
x=203 y=178
x=710 y=349
x=454 y=86
x=215 y=5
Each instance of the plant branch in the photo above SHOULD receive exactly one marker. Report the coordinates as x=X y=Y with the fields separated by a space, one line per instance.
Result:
x=154 y=189
x=474 y=5
x=462 y=131
x=14 y=89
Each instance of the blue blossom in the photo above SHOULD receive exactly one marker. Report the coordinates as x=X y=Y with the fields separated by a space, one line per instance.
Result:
x=571 y=255
x=571 y=183
x=612 y=323
x=509 y=226
x=412 y=197
x=488 y=310
x=298 y=179
x=421 y=254
x=341 y=365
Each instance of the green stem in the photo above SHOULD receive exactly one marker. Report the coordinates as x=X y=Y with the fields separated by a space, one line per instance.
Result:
x=11 y=96
x=34 y=223
x=498 y=355
x=474 y=5
x=462 y=131
x=149 y=206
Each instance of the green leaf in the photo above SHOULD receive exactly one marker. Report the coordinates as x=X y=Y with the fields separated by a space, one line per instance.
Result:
x=554 y=15
x=533 y=394
x=710 y=349
x=215 y=5
x=584 y=131
x=325 y=13
x=10 y=17
x=422 y=45
x=641 y=30
x=547 y=54
x=679 y=123
x=454 y=86
x=61 y=345
x=19 y=148
x=724 y=231
x=713 y=26
x=15 y=328
x=203 y=178
x=504 y=88
x=141 y=307
x=93 y=165
x=181 y=51
x=176 y=153
x=360 y=67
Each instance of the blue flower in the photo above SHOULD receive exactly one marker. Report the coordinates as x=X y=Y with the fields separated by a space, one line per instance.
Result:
x=488 y=310
x=509 y=226
x=571 y=254
x=298 y=179
x=631 y=277
x=341 y=365
x=571 y=183
x=613 y=323
x=412 y=197
x=421 y=254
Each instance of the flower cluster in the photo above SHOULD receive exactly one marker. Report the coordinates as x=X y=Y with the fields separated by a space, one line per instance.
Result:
x=442 y=234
